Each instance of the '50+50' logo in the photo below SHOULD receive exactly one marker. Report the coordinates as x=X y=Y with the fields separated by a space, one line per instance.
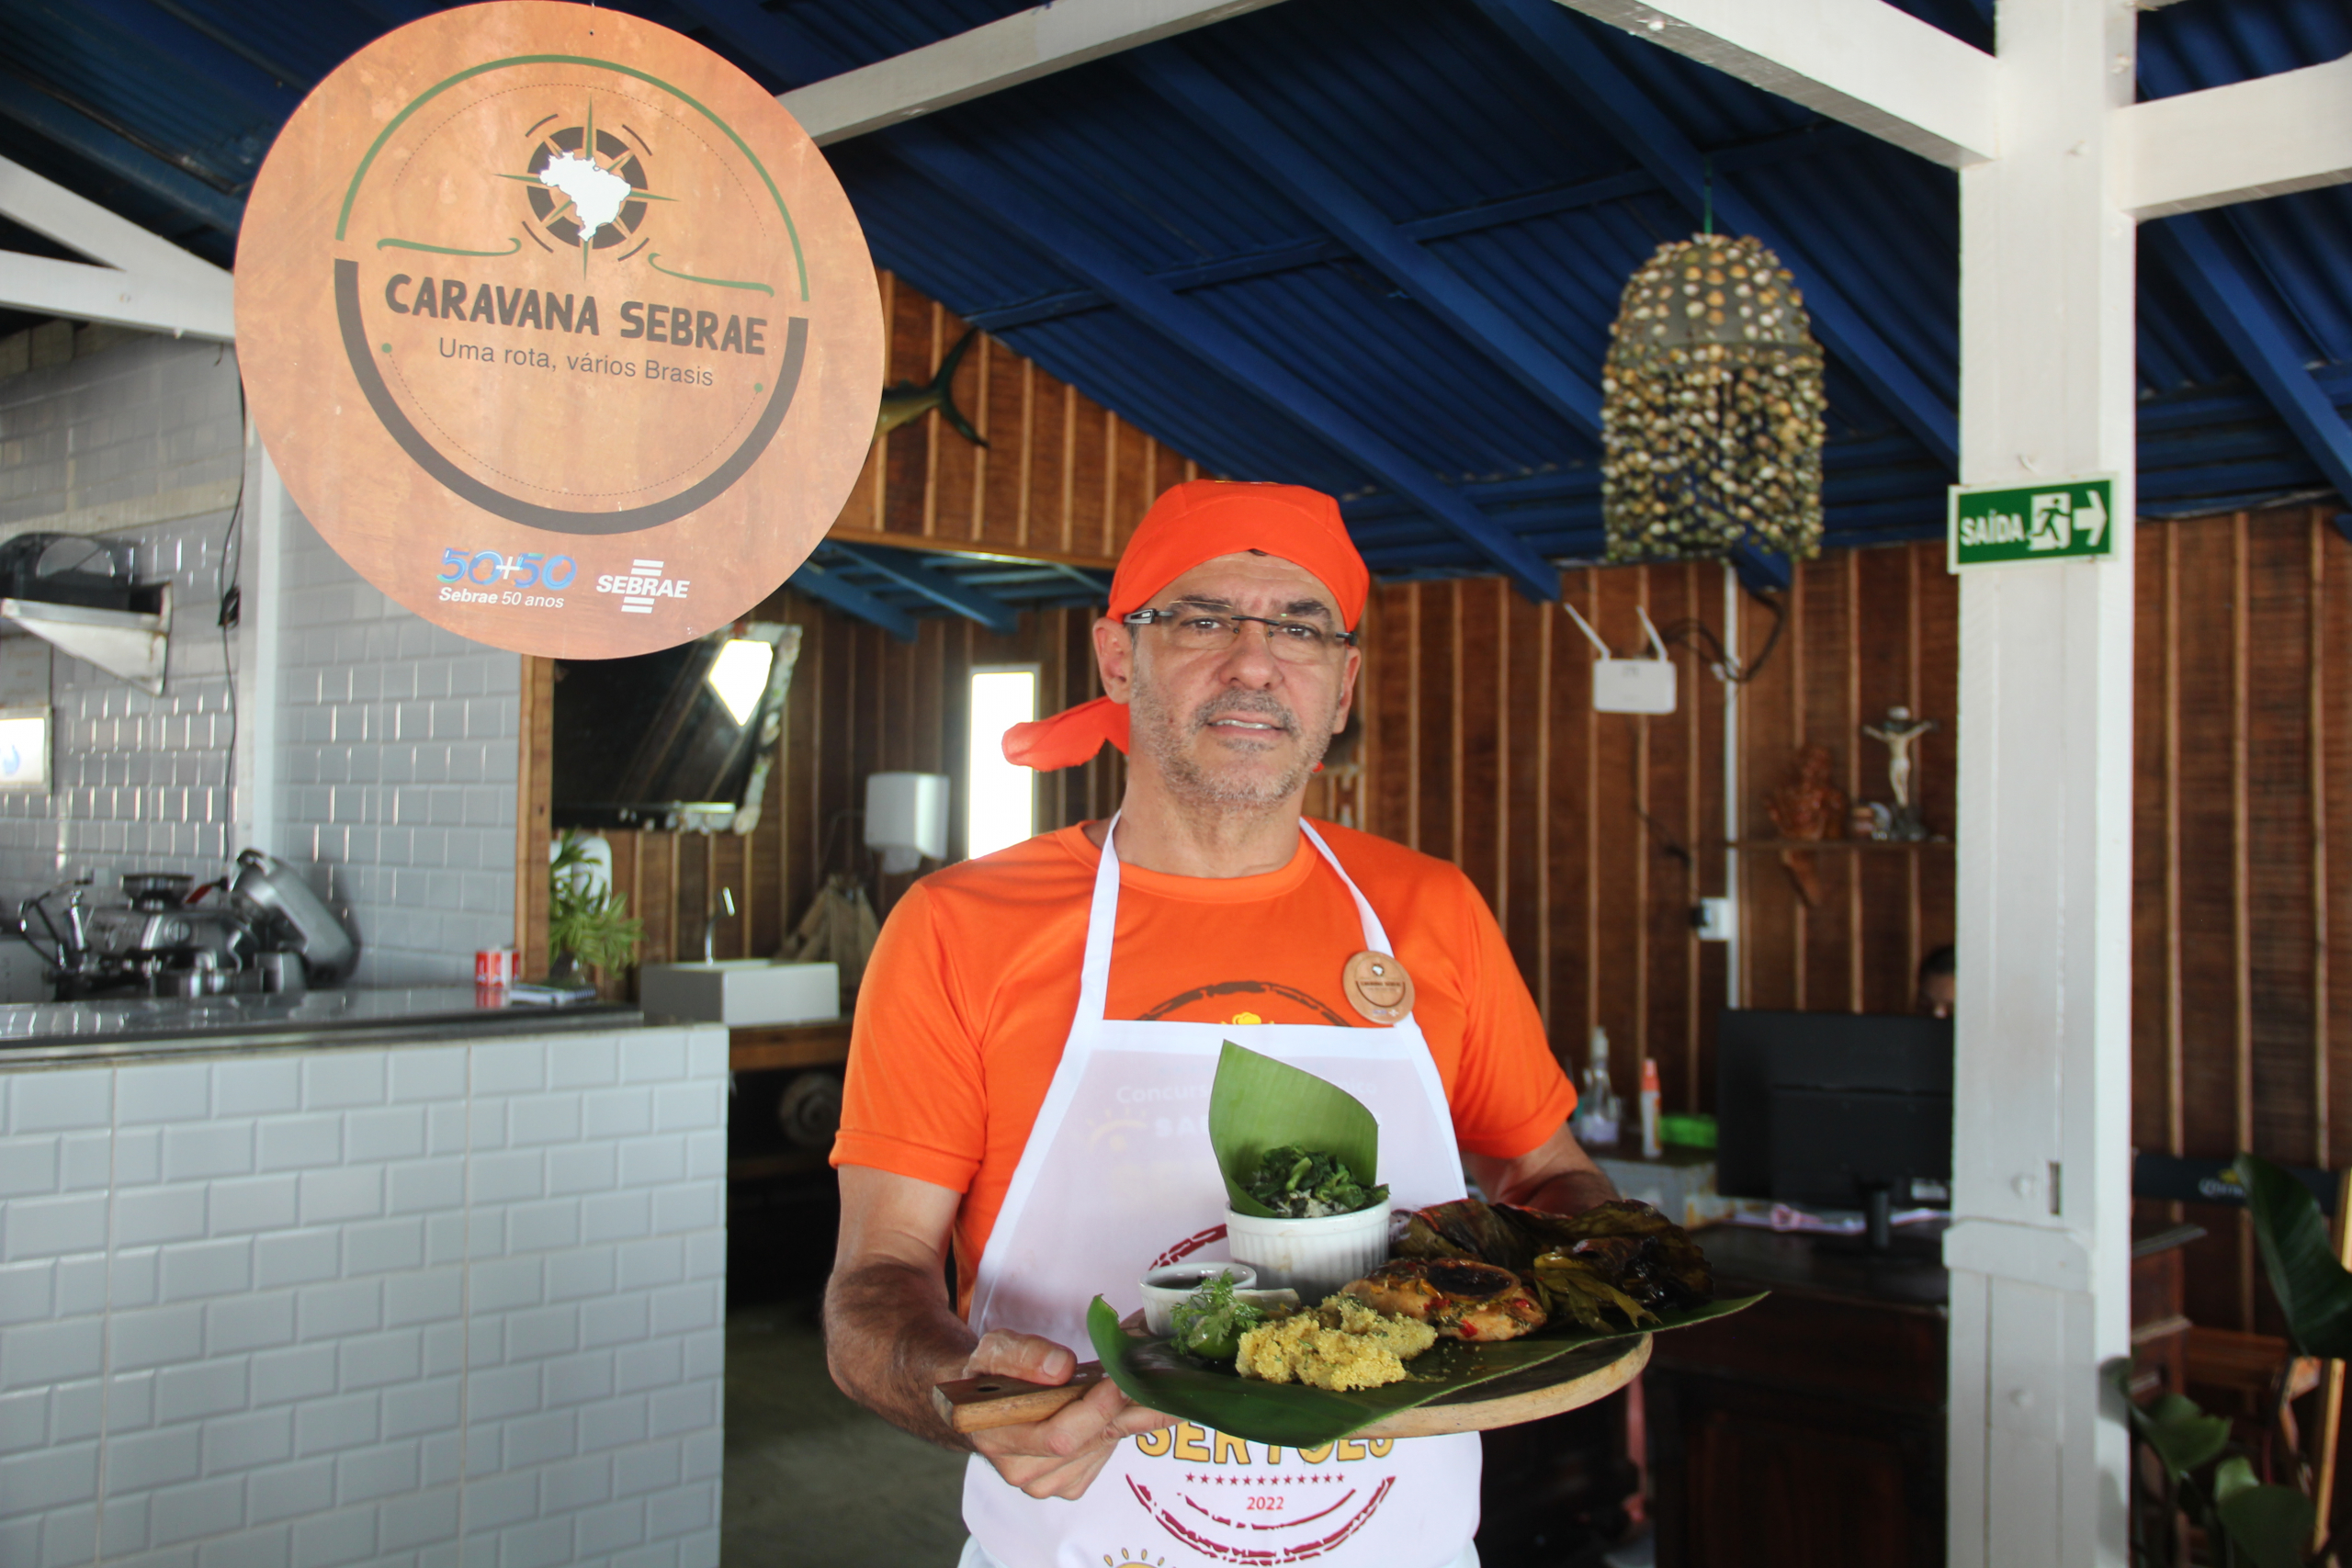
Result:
x=531 y=570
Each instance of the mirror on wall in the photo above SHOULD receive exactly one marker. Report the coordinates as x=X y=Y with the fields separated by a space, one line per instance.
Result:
x=682 y=739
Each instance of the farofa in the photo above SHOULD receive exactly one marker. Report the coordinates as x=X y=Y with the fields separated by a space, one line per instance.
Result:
x=1340 y=1345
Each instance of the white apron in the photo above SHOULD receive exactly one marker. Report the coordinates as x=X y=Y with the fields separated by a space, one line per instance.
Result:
x=1117 y=1178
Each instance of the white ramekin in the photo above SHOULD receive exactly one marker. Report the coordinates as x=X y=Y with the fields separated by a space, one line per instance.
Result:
x=1314 y=1258
x=1163 y=1288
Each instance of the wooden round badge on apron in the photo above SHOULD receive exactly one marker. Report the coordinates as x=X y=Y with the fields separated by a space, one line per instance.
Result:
x=1377 y=987
x=558 y=328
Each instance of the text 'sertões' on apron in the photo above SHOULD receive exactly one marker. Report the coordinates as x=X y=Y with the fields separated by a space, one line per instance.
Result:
x=1118 y=1177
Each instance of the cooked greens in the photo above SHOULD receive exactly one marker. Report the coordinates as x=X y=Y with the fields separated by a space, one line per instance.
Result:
x=1257 y=1103
x=1304 y=1184
x=1211 y=1321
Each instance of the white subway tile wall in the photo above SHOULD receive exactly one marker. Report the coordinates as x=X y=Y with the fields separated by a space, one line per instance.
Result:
x=141 y=781
x=397 y=755
x=396 y=747
x=117 y=428
x=416 y=1307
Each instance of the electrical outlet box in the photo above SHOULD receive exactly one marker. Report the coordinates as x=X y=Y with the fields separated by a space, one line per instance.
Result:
x=1712 y=920
x=1633 y=685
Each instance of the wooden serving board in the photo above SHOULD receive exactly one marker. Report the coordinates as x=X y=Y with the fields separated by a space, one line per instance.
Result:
x=1567 y=1382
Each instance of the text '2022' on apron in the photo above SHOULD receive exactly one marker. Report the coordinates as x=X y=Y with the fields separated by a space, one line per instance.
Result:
x=1117 y=1178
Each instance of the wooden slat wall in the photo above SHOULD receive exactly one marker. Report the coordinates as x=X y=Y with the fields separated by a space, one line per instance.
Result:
x=1484 y=750
x=1592 y=835
x=1867 y=630
x=2241 y=936
x=1061 y=479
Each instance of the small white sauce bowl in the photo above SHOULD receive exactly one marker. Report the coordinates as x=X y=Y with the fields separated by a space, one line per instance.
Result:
x=1314 y=1258
x=1163 y=1288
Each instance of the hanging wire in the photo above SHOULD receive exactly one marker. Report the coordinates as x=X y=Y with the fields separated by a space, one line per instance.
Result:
x=228 y=566
x=1701 y=637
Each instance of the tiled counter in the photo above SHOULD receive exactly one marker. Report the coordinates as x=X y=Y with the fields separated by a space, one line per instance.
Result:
x=422 y=1305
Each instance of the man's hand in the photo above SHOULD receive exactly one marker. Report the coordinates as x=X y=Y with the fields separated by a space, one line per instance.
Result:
x=1556 y=1175
x=890 y=1338
x=1060 y=1456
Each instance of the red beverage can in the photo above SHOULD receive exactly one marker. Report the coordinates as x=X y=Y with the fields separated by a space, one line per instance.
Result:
x=496 y=967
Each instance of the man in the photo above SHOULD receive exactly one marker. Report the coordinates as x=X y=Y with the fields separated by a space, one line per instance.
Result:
x=1037 y=1032
x=1937 y=981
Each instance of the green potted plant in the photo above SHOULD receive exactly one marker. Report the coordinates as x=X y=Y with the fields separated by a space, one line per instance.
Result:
x=2207 y=1479
x=589 y=927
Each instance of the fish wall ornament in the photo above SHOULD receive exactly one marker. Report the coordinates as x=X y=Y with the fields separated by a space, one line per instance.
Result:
x=907 y=402
x=1712 y=407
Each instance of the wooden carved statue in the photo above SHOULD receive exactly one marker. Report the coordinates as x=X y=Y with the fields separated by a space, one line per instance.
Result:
x=1808 y=805
x=1807 y=808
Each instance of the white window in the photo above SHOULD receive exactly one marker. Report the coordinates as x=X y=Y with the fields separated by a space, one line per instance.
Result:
x=740 y=676
x=999 y=799
x=24 y=748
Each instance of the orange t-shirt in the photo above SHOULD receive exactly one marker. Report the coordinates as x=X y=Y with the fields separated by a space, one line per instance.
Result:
x=965 y=1006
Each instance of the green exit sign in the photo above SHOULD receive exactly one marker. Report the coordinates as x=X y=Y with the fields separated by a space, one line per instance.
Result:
x=2060 y=520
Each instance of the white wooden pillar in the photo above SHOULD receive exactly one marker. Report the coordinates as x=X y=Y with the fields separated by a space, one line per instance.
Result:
x=2039 y=1250
x=258 y=650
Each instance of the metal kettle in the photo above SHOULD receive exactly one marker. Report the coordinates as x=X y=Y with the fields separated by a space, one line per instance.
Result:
x=268 y=891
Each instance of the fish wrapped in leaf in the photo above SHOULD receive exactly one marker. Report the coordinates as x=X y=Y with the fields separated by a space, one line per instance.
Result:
x=1639 y=1250
x=1468 y=1229
x=1577 y=1291
x=1620 y=1257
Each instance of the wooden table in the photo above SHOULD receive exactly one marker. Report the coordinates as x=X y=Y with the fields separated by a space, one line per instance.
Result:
x=753 y=1150
x=789 y=1045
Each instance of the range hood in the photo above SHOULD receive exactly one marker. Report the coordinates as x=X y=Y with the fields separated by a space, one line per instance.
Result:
x=76 y=592
x=123 y=643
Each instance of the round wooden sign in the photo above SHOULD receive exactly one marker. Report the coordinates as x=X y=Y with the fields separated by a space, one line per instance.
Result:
x=560 y=330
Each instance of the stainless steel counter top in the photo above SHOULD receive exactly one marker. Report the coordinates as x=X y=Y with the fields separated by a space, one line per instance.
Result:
x=42 y=1034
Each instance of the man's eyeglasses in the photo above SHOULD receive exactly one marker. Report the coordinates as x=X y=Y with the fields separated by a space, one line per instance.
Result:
x=1196 y=630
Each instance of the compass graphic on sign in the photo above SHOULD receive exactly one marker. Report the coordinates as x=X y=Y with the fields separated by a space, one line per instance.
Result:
x=586 y=187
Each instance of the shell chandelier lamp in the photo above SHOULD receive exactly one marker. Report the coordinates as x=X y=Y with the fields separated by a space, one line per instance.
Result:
x=1712 y=404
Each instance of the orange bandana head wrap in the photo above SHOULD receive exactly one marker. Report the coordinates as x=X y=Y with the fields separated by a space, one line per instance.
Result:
x=1194 y=523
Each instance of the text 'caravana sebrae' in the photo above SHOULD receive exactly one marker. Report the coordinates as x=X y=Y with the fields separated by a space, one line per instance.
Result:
x=453 y=300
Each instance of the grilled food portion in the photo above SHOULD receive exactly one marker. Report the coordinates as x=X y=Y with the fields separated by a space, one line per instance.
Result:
x=1614 y=1267
x=1460 y=1299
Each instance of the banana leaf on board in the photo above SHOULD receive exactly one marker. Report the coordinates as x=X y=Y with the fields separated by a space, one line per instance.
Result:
x=1153 y=1373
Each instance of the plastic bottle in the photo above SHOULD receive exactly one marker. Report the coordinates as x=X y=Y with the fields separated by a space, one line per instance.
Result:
x=1595 y=1123
x=1651 y=1147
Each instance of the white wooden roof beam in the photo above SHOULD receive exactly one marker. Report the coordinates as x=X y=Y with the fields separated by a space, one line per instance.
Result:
x=145 y=281
x=1861 y=61
x=1004 y=53
x=80 y=224
x=189 y=307
x=2275 y=134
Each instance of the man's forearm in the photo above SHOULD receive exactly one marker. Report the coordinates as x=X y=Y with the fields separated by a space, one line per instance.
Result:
x=890 y=1337
x=1571 y=1192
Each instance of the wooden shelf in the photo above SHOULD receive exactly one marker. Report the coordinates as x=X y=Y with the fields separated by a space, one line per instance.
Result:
x=1776 y=844
x=788 y=1046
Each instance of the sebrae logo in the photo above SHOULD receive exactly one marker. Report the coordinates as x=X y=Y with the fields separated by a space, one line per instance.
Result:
x=527 y=277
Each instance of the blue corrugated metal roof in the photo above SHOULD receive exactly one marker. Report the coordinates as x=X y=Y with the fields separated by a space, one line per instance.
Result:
x=1438 y=119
